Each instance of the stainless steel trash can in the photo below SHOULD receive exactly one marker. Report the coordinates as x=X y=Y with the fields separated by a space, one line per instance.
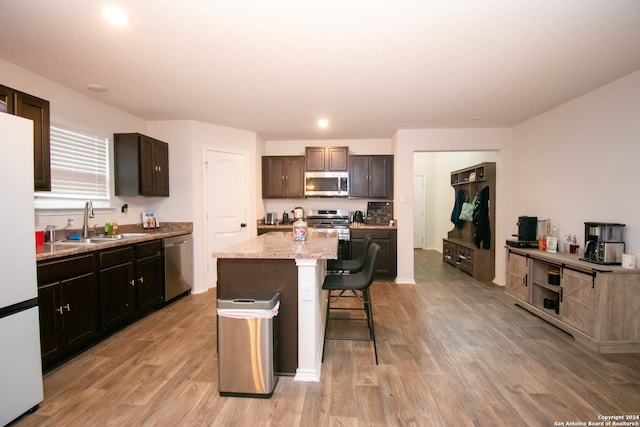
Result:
x=246 y=344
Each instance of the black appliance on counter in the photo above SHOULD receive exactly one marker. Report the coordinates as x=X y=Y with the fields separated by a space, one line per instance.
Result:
x=334 y=220
x=603 y=242
x=527 y=233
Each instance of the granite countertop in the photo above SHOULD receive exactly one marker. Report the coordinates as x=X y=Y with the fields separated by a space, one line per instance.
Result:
x=48 y=251
x=353 y=225
x=281 y=245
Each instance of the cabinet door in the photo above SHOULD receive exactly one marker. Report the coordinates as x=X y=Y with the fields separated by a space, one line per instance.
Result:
x=578 y=300
x=381 y=177
x=359 y=176
x=161 y=160
x=294 y=167
x=7 y=100
x=51 y=337
x=149 y=283
x=337 y=159
x=117 y=293
x=314 y=159
x=273 y=177
x=37 y=110
x=79 y=305
x=386 y=262
x=147 y=166
x=518 y=276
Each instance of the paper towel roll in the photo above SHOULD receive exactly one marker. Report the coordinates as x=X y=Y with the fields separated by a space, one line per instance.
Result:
x=628 y=261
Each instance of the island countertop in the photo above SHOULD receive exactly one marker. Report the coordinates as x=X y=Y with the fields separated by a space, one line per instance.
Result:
x=281 y=245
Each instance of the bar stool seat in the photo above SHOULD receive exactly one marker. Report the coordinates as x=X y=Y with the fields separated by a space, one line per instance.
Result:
x=352 y=286
x=343 y=266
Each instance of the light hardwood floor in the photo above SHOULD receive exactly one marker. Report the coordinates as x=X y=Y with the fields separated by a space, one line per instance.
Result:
x=453 y=352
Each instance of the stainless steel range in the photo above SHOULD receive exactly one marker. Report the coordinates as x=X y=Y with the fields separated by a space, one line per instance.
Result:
x=335 y=220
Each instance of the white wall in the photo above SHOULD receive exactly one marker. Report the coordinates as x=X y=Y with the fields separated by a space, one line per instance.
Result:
x=579 y=162
x=440 y=195
x=188 y=176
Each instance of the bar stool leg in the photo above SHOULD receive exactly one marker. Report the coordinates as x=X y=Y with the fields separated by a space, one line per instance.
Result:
x=326 y=324
x=369 y=311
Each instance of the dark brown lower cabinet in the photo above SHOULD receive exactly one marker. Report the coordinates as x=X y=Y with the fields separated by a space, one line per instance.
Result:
x=82 y=299
x=386 y=264
x=117 y=287
x=149 y=276
x=131 y=282
x=68 y=303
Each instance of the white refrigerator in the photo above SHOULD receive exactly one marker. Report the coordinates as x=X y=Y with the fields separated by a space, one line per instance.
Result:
x=20 y=365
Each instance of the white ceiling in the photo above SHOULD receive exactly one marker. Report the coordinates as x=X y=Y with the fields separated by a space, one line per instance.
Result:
x=370 y=67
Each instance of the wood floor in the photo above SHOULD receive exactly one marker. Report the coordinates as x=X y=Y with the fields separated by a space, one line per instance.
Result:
x=453 y=352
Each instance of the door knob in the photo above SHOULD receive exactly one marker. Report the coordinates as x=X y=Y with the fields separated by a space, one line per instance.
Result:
x=243 y=225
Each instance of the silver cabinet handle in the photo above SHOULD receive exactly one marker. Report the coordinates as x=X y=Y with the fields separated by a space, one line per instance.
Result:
x=59 y=309
x=67 y=307
x=141 y=280
x=133 y=283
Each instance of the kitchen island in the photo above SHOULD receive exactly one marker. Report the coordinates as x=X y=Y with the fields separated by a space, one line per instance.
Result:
x=276 y=262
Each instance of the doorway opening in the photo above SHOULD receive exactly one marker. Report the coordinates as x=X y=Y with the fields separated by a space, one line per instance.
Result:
x=433 y=215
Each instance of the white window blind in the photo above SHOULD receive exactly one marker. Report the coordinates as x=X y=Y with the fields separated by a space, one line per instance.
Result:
x=79 y=169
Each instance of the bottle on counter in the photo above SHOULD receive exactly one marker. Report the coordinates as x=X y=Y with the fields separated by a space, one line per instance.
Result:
x=114 y=228
x=552 y=240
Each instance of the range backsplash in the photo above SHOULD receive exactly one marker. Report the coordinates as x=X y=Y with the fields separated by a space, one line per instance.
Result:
x=379 y=212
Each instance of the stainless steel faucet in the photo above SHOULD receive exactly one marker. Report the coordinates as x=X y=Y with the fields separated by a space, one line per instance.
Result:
x=88 y=213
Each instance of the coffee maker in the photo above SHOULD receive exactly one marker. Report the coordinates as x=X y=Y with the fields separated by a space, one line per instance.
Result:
x=603 y=242
x=527 y=230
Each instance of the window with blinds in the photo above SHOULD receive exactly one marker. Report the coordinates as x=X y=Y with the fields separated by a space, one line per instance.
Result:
x=79 y=170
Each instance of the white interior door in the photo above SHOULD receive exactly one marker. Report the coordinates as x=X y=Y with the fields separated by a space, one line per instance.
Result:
x=418 y=211
x=226 y=194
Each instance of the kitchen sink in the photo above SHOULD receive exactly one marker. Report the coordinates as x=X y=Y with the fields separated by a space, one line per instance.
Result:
x=96 y=239
x=115 y=237
x=76 y=242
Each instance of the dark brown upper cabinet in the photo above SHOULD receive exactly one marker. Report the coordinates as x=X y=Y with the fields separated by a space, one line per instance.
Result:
x=141 y=165
x=319 y=159
x=38 y=111
x=282 y=177
x=371 y=177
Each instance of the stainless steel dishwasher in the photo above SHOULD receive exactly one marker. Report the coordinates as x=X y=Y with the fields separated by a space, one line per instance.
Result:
x=178 y=266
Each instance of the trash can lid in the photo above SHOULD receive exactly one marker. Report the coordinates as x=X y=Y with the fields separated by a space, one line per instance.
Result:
x=250 y=300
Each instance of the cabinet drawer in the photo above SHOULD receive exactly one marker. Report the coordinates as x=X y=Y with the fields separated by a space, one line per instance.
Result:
x=116 y=256
x=55 y=271
x=375 y=233
x=148 y=249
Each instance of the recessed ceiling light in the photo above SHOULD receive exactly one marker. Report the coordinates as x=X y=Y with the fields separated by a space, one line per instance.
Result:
x=96 y=87
x=323 y=123
x=115 y=15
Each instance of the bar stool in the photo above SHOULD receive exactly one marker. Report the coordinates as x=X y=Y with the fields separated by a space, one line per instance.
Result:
x=342 y=266
x=352 y=286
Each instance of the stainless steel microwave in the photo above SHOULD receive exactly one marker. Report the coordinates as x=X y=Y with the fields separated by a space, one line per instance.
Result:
x=326 y=184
